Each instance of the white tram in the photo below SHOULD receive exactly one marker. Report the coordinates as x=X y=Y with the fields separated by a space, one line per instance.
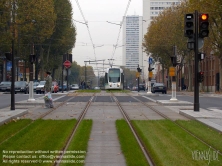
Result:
x=114 y=78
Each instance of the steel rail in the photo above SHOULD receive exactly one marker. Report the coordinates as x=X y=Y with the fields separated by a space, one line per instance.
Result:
x=140 y=142
x=186 y=130
x=82 y=115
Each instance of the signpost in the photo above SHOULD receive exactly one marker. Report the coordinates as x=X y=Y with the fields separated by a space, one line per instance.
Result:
x=67 y=64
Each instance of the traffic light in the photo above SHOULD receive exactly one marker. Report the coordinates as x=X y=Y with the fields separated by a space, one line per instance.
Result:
x=174 y=60
x=203 y=25
x=150 y=69
x=200 y=76
x=8 y=56
x=139 y=70
x=32 y=59
x=189 y=25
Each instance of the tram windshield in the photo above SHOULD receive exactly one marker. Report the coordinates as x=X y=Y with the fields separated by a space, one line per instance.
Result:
x=114 y=75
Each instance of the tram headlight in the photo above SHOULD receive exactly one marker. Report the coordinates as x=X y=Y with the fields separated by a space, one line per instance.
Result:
x=110 y=85
x=118 y=84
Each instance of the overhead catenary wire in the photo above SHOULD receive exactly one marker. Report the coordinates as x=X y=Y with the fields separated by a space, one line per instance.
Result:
x=115 y=46
x=86 y=23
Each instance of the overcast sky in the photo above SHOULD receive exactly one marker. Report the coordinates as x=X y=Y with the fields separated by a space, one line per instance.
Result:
x=97 y=13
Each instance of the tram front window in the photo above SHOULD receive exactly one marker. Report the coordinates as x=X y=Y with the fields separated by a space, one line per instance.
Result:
x=114 y=75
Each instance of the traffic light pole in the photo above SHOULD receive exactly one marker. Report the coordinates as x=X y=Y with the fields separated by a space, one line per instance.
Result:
x=149 y=81
x=174 y=87
x=196 y=83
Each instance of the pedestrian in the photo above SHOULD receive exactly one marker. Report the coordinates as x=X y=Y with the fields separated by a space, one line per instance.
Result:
x=48 y=86
x=84 y=85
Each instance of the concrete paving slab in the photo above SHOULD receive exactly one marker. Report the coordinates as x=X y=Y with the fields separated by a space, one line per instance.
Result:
x=201 y=114
x=210 y=118
x=178 y=102
x=6 y=115
x=104 y=158
x=103 y=137
x=212 y=123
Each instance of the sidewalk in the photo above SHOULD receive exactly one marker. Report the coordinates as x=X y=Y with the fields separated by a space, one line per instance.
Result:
x=21 y=108
x=211 y=118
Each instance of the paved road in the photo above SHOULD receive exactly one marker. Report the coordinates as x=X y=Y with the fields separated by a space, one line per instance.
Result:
x=209 y=102
x=5 y=98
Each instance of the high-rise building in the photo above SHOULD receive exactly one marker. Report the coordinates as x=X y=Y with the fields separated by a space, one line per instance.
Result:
x=132 y=41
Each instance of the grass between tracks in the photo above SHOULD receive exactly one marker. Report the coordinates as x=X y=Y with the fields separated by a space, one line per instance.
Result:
x=89 y=91
x=78 y=145
x=43 y=135
x=209 y=135
x=10 y=129
x=130 y=148
x=170 y=145
x=118 y=91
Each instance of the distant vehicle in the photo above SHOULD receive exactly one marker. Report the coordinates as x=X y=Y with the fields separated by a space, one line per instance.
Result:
x=4 y=85
x=64 y=87
x=55 y=87
x=40 y=88
x=74 y=87
x=35 y=84
x=20 y=86
x=114 y=78
x=135 y=88
x=159 y=87
x=97 y=88
x=142 y=87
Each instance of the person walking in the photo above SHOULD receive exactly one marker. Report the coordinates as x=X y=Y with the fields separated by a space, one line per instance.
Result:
x=48 y=86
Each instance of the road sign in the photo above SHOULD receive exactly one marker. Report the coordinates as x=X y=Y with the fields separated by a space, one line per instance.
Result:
x=172 y=71
x=150 y=60
x=137 y=74
x=67 y=64
x=150 y=74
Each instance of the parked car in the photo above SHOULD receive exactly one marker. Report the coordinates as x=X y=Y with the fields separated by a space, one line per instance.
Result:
x=35 y=84
x=55 y=87
x=97 y=88
x=4 y=85
x=20 y=86
x=74 y=87
x=135 y=88
x=142 y=87
x=64 y=87
x=159 y=87
x=40 y=88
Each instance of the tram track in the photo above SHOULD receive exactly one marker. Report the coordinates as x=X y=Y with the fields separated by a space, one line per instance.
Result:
x=180 y=126
x=80 y=118
x=140 y=142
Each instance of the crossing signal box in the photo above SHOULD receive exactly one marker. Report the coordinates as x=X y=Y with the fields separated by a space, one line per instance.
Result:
x=200 y=76
x=139 y=70
x=203 y=25
x=173 y=60
x=150 y=68
x=189 y=25
x=8 y=56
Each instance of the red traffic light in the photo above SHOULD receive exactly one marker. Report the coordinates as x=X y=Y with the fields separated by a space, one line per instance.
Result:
x=204 y=17
x=203 y=25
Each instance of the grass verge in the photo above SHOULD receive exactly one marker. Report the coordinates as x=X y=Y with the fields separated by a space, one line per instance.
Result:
x=209 y=135
x=130 y=148
x=170 y=145
x=89 y=91
x=36 y=143
x=78 y=146
x=11 y=128
x=118 y=91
